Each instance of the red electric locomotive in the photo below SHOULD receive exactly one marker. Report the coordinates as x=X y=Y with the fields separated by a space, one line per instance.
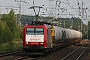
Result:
x=36 y=37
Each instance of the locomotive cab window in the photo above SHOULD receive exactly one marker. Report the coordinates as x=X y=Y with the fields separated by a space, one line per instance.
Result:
x=39 y=31
x=30 y=31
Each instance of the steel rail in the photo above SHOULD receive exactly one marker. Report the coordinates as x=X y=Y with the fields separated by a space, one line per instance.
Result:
x=25 y=57
x=70 y=53
x=81 y=54
x=20 y=58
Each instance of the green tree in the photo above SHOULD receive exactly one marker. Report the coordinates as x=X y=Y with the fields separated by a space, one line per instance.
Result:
x=8 y=29
x=89 y=30
x=4 y=17
x=12 y=22
x=2 y=28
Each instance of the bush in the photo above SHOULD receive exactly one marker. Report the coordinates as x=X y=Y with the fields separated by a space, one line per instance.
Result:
x=10 y=46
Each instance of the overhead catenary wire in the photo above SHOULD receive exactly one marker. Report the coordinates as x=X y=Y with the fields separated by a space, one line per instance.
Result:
x=71 y=6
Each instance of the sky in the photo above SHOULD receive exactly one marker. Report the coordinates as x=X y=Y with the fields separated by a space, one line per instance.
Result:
x=65 y=8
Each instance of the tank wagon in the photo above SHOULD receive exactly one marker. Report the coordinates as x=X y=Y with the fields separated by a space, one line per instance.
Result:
x=43 y=37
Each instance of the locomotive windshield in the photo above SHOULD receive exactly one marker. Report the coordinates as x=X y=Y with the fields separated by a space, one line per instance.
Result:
x=36 y=31
x=30 y=31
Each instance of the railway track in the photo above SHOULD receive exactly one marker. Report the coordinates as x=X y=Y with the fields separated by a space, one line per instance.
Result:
x=33 y=58
x=21 y=58
x=29 y=58
x=10 y=53
x=75 y=54
x=17 y=55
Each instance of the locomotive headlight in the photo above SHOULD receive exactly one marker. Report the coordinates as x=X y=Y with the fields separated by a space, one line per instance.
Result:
x=27 y=42
x=41 y=43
